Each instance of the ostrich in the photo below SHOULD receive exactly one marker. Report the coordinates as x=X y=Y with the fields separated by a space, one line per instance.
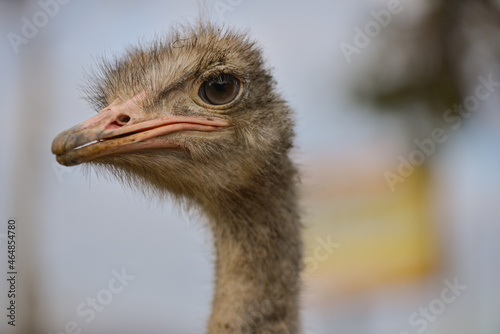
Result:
x=196 y=115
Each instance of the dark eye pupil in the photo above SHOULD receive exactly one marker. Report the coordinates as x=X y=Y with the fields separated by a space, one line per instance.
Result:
x=220 y=90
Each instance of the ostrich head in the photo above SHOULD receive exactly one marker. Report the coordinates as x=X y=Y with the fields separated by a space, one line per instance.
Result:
x=195 y=114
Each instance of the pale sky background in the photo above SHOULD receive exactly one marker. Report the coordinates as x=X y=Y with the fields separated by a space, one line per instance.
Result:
x=85 y=227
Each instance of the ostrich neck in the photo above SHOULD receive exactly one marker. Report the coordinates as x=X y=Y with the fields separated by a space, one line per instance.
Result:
x=259 y=259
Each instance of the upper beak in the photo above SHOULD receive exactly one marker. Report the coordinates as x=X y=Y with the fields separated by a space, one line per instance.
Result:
x=122 y=128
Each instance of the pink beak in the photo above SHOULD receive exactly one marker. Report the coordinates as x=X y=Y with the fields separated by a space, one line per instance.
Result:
x=121 y=128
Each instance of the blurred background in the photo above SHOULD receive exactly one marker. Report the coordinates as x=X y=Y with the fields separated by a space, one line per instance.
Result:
x=398 y=140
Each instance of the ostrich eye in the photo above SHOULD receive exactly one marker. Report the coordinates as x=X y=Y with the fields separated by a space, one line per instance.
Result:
x=220 y=89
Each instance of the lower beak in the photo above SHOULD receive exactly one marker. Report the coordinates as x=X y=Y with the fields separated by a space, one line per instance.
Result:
x=119 y=130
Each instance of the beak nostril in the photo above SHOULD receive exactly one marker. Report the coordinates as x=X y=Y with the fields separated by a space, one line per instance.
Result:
x=123 y=119
x=118 y=122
